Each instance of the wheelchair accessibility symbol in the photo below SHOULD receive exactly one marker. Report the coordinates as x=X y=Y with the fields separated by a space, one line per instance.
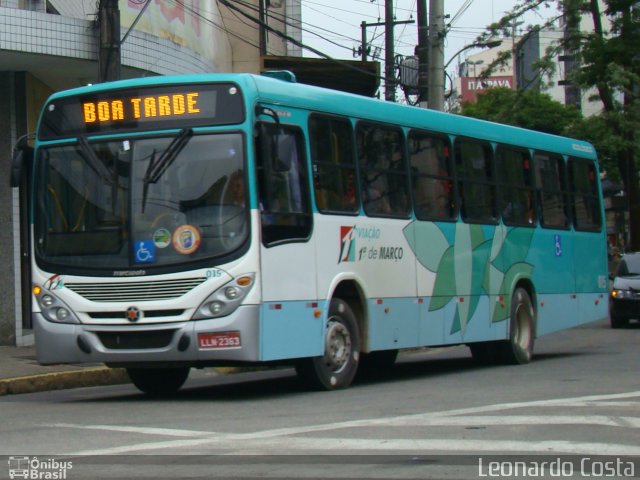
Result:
x=558 y=245
x=144 y=251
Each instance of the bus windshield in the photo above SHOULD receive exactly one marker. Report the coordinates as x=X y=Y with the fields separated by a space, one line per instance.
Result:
x=141 y=202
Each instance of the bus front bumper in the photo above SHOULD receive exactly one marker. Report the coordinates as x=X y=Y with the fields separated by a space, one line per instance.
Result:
x=233 y=338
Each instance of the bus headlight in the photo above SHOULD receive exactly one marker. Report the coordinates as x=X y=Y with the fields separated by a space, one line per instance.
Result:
x=52 y=308
x=226 y=299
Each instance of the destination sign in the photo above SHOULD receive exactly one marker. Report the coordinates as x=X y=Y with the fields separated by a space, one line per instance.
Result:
x=138 y=108
x=156 y=107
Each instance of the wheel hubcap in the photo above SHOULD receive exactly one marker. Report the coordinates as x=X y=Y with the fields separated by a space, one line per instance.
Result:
x=338 y=346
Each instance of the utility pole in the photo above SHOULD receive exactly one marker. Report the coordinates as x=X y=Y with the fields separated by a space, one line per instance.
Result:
x=262 y=13
x=422 y=51
x=363 y=34
x=389 y=56
x=390 y=83
x=436 y=55
x=109 y=54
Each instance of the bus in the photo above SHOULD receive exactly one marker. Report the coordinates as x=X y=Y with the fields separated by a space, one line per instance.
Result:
x=239 y=219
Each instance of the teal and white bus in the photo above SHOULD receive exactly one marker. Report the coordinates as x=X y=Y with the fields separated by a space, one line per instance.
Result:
x=235 y=219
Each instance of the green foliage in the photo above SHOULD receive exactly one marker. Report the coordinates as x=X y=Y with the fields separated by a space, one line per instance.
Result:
x=527 y=109
x=608 y=70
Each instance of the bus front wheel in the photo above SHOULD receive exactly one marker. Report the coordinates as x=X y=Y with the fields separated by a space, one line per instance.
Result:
x=339 y=364
x=518 y=349
x=158 y=381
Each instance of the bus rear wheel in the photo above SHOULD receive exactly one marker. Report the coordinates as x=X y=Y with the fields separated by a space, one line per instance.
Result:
x=339 y=364
x=158 y=381
x=518 y=349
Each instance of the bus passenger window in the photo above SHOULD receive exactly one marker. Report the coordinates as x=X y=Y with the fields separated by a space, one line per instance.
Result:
x=334 y=169
x=431 y=176
x=383 y=171
x=515 y=179
x=551 y=189
x=584 y=194
x=476 y=184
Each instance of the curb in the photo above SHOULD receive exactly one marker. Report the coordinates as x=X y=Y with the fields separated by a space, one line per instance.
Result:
x=63 y=380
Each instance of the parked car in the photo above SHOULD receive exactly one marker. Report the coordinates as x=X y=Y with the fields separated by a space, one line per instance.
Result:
x=624 y=304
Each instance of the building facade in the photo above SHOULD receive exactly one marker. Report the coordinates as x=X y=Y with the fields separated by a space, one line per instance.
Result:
x=51 y=45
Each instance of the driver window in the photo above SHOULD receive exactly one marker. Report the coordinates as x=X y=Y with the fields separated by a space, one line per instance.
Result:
x=283 y=185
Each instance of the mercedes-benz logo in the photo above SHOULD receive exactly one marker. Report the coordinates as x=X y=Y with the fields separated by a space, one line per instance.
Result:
x=133 y=314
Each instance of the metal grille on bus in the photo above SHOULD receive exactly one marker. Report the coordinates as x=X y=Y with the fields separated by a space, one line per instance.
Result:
x=135 y=291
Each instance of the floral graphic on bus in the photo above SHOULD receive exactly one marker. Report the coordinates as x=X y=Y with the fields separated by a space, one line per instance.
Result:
x=472 y=264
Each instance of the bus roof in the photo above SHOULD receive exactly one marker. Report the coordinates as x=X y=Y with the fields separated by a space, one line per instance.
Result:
x=262 y=88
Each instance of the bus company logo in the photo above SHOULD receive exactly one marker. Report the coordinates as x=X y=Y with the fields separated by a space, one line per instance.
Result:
x=347 y=244
x=54 y=282
x=133 y=314
x=33 y=468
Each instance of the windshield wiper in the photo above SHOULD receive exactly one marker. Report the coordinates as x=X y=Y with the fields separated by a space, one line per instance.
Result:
x=156 y=168
x=94 y=161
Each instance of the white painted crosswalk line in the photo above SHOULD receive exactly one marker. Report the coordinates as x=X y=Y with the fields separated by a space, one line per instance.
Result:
x=304 y=439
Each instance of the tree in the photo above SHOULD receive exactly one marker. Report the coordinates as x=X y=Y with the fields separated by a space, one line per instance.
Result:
x=523 y=108
x=608 y=63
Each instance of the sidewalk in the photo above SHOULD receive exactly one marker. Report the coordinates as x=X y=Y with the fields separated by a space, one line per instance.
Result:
x=21 y=373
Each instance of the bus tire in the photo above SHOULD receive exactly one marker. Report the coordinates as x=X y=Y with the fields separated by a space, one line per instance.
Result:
x=518 y=349
x=339 y=364
x=158 y=381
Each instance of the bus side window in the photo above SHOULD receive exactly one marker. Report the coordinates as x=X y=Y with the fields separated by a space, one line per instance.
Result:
x=584 y=194
x=283 y=191
x=334 y=169
x=551 y=190
x=476 y=183
x=383 y=171
x=431 y=174
x=515 y=178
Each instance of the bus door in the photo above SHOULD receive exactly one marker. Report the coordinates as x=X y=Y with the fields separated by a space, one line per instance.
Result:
x=554 y=247
x=289 y=326
x=590 y=244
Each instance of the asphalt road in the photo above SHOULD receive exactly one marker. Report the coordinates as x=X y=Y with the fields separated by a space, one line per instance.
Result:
x=436 y=414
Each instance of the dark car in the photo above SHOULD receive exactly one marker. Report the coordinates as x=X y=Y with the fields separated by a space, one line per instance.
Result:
x=624 y=304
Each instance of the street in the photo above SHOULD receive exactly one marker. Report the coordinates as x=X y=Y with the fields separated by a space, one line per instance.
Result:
x=436 y=414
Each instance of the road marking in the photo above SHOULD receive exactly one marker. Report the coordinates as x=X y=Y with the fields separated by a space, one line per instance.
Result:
x=298 y=445
x=171 y=432
x=291 y=439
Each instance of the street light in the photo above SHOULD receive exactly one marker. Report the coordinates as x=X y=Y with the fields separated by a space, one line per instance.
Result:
x=489 y=44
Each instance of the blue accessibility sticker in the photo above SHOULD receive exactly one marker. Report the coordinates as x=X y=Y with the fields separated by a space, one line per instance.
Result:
x=144 y=251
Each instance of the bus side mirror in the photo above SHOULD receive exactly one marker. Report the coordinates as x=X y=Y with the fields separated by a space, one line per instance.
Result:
x=21 y=155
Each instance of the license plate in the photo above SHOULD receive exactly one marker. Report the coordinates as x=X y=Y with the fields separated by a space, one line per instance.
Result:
x=218 y=340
